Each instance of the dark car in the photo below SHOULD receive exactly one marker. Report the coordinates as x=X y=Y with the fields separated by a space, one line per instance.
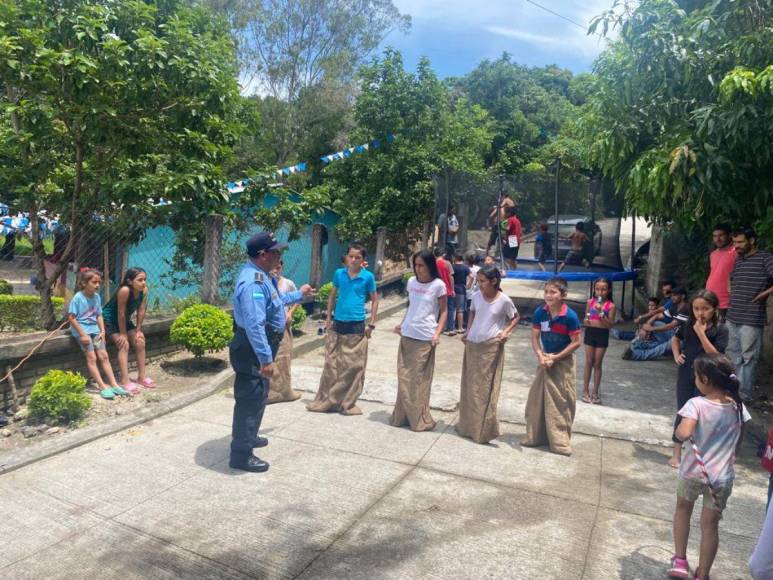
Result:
x=566 y=225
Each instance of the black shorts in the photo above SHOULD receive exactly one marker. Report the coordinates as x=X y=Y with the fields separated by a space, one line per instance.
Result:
x=349 y=326
x=573 y=257
x=596 y=337
x=110 y=329
x=510 y=253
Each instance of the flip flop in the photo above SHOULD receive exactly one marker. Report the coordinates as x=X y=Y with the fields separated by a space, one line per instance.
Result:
x=596 y=401
x=107 y=394
x=148 y=383
x=586 y=399
x=132 y=388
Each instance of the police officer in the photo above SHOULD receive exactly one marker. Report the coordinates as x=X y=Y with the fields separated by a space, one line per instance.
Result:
x=259 y=322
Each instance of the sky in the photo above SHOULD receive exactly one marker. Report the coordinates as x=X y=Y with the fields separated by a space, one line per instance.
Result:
x=457 y=34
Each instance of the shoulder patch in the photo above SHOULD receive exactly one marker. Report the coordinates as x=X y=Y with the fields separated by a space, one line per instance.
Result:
x=258 y=295
x=259 y=277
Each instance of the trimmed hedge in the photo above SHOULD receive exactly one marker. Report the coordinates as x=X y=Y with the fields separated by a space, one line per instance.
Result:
x=59 y=395
x=22 y=312
x=202 y=328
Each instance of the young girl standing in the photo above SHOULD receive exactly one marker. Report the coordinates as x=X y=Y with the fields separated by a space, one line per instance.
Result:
x=346 y=347
x=552 y=398
x=131 y=297
x=88 y=328
x=701 y=333
x=420 y=333
x=493 y=317
x=599 y=318
x=714 y=424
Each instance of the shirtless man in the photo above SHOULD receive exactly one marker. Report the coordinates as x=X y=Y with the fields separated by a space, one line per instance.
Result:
x=495 y=221
x=577 y=239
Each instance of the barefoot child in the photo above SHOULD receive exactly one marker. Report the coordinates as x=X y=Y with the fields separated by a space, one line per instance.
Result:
x=599 y=318
x=346 y=347
x=493 y=317
x=701 y=333
x=131 y=297
x=712 y=426
x=420 y=331
x=550 y=408
x=88 y=328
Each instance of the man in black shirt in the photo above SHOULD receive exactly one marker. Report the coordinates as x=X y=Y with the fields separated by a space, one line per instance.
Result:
x=750 y=285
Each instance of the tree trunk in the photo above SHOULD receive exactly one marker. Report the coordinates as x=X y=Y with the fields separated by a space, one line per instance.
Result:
x=212 y=259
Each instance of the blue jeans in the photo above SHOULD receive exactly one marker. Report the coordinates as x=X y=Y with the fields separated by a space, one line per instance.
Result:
x=451 y=322
x=770 y=491
x=649 y=349
x=744 y=350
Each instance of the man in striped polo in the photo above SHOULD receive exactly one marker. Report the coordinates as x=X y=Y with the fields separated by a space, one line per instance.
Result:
x=750 y=285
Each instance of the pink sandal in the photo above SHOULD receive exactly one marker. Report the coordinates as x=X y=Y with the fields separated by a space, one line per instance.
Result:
x=133 y=388
x=148 y=383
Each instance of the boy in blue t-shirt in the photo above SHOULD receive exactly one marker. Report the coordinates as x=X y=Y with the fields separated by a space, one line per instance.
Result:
x=552 y=398
x=346 y=348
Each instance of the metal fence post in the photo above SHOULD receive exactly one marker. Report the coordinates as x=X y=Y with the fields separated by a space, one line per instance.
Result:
x=315 y=271
x=212 y=245
x=380 y=250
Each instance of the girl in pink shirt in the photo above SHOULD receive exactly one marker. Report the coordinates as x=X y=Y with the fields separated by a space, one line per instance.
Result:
x=713 y=424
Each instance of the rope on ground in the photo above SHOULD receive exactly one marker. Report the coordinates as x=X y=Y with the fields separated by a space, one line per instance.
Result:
x=34 y=348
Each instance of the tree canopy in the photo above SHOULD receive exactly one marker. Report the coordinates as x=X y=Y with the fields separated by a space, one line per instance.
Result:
x=681 y=113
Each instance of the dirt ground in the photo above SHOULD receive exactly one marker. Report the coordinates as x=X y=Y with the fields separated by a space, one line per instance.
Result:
x=172 y=374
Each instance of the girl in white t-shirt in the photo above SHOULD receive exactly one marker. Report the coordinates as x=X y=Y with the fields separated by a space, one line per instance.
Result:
x=493 y=317
x=714 y=424
x=420 y=332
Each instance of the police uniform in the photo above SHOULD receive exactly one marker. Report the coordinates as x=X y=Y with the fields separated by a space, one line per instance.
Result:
x=259 y=322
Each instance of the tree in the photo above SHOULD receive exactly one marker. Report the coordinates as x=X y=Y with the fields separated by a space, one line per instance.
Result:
x=108 y=106
x=301 y=56
x=682 y=111
x=392 y=186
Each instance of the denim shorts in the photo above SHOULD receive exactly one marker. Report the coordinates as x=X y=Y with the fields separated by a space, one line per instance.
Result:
x=95 y=343
x=691 y=489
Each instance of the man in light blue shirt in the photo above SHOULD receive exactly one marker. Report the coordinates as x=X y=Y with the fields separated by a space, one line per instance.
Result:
x=259 y=322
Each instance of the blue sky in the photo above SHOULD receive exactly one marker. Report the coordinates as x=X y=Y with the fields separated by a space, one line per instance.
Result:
x=457 y=34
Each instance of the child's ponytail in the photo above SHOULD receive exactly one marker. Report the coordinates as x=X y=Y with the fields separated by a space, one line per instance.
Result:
x=719 y=372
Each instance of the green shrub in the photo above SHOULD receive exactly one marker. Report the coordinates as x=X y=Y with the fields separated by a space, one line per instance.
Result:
x=324 y=292
x=6 y=287
x=202 y=328
x=299 y=317
x=59 y=395
x=407 y=276
x=22 y=312
x=180 y=304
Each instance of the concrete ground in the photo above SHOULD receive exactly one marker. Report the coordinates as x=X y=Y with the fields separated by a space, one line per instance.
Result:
x=352 y=497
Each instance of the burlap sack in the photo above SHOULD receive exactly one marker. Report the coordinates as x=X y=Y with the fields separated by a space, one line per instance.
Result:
x=280 y=386
x=551 y=406
x=481 y=380
x=415 y=368
x=343 y=376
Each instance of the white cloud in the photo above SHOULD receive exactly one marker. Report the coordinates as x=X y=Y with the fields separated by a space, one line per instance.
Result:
x=518 y=20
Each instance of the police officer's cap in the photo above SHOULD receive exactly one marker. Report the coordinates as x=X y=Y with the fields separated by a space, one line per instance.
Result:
x=261 y=242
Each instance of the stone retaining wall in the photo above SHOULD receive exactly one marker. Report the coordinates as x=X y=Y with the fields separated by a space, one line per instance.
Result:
x=61 y=352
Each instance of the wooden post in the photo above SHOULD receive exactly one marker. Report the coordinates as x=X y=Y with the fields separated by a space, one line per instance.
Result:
x=213 y=243
x=315 y=271
x=464 y=221
x=425 y=235
x=380 y=248
x=106 y=272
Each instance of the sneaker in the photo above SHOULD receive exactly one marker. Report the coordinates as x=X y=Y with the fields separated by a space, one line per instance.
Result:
x=679 y=568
